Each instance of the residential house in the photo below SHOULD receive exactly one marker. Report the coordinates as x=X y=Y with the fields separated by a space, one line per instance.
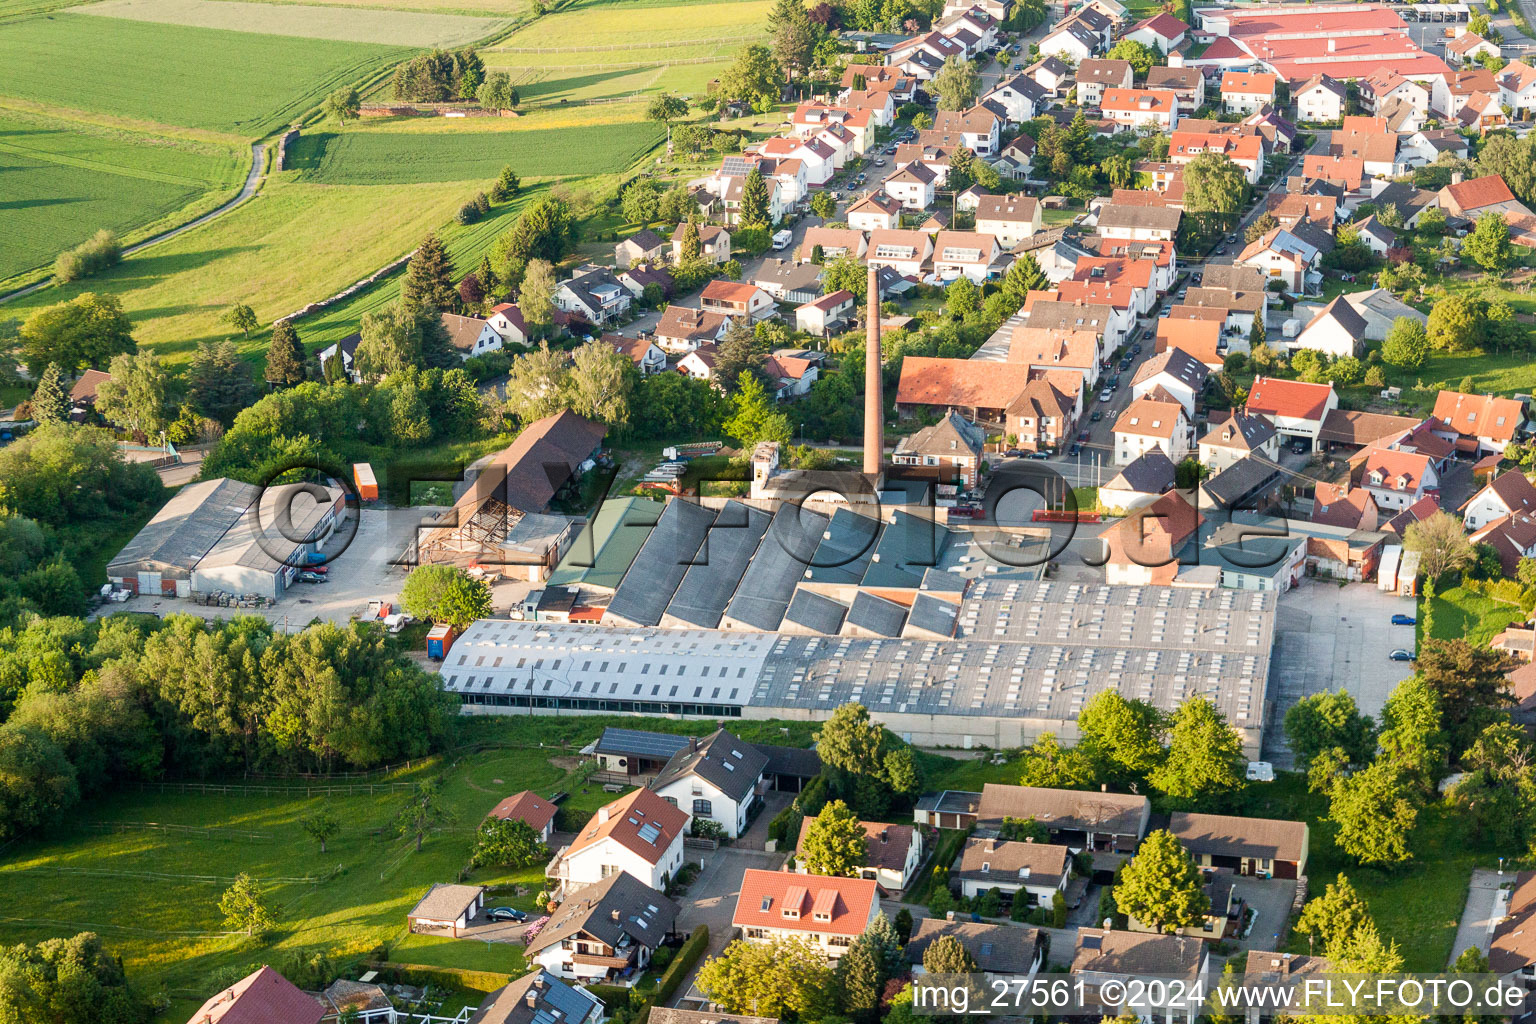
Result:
x=700 y=363
x=531 y=809
x=922 y=56
x=639 y=833
x=1176 y=374
x=470 y=335
x=832 y=243
x=538 y=998
x=644 y=246
x=1467 y=48
x=1471 y=199
x=1243 y=92
x=1449 y=93
x=1223 y=917
x=1296 y=408
x=738 y=299
x=1081 y=820
x=905 y=252
x=604 y=933
x=1376 y=236
x=1145 y=480
x=978 y=128
x=1188 y=84
x=1058 y=351
x=1512 y=536
x=1348 y=172
x=827 y=315
x=1153 y=423
x=952 y=448
x=788 y=280
x=1043 y=416
x=1281 y=256
x=1342 y=505
x=1512 y=950
x=1156 y=110
x=355 y=1002
x=634 y=756
x=971 y=254
x=346 y=348
x=1019 y=97
x=1236 y=437
x=1016 y=158
x=445 y=908
x=1478 y=424
x=714 y=243
x=1339 y=330
x=892 y=853
x=875 y=212
x=637 y=277
x=683 y=329
x=1034 y=871
x=716 y=778
x=1321 y=98
x=1509 y=493
x=1196 y=332
x=1263 y=847
x=979 y=389
x=1409 y=201
x=1001 y=951
x=594 y=295
x=1071 y=40
x=1481 y=111
x=1139 y=223
x=1397 y=479
x=1009 y=219
x=1094 y=76
x=911 y=185
x=1517 y=88
x=262 y=995
x=790 y=376
x=1144 y=548
x=1249 y=484
x=1102 y=955
x=1384 y=85
x=1162 y=32
x=1246 y=151
x=828 y=913
x=1046 y=311
x=1049 y=73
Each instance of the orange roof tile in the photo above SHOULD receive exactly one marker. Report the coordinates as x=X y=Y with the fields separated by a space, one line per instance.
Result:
x=808 y=903
x=628 y=817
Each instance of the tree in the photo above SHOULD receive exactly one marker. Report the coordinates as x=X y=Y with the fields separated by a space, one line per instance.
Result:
x=1205 y=754
x=507 y=843
x=1407 y=344
x=859 y=977
x=497 y=92
x=1327 y=720
x=86 y=331
x=545 y=230
x=1488 y=245
x=428 y=285
x=1471 y=685
x=921 y=120
x=50 y=402
x=823 y=205
x=1453 y=324
x=755 y=72
x=754 y=196
x=423 y=812
x=1374 y=814
x=600 y=384
x=37 y=782
x=1124 y=734
x=769 y=979
x=1261 y=226
x=962 y=298
x=1335 y=917
x=536 y=298
x=1512 y=159
x=1214 y=184
x=219 y=382
x=137 y=395
x=1442 y=546
x=666 y=108
x=505 y=187
x=835 y=842
x=1161 y=887
x=390 y=343
x=1497 y=792
x=445 y=594
x=1024 y=276
x=68 y=981
x=845 y=273
x=904 y=924
x=322 y=826
x=242 y=318
x=1052 y=766
x=285 y=356
x=245 y=908
x=756 y=417
x=901 y=772
x=1141 y=56
x=343 y=105
x=100 y=251
x=945 y=955
x=957 y=84
x=1412 y=741
x=789 y=30
x=641 y=201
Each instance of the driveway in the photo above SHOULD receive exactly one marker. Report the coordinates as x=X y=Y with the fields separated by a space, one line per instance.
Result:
x=1487 y=902
x=711 y=899
x=1330 y=637
x=1271 y=900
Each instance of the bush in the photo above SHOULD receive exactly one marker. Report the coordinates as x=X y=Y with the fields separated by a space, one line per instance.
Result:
x=468 y=213
x=662 y=957
x=87 y=258
x=458 y=978
x=813 y=797
x=687 y=956
x=785 y=827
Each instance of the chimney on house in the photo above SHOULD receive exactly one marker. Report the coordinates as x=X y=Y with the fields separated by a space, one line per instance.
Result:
x=602 y=815
x=614 y=913
x=532 y=998
x=874 y=401
x=1457 y=177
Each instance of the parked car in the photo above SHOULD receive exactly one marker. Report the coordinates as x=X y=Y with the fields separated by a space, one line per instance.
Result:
x=1299 y=448
x=1098 y=414
x=1076 y=449
x=1135 y=350
x=1106 y=395
x=1082 y=435
x=312 y=577
x=1014 y=453
x=506 y=914
x=1113 y=384
x=1039 y=455
x=1404 y=620
x=1402 y=655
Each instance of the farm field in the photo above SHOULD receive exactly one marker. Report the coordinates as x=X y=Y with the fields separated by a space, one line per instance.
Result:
x=161 y=73
x=393 y=28
x=295 y=243
x=63 y=182
x=361 y=157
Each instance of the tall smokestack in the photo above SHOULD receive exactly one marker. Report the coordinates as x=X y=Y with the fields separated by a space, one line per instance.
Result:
x=874 y=404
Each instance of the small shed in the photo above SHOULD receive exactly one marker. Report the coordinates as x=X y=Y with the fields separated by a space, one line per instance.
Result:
x=367 y=483
x=446 y=907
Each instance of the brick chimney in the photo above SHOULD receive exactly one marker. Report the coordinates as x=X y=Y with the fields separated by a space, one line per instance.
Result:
x=874 y=401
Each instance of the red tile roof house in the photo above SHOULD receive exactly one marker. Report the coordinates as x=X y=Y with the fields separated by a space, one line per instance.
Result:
x=1144 y=548
x=980 y=390
x=738 y=299
x=639 y=833
x=828 y=913
x=892 y=853
x=1157 y=109
x=1398 y=479
x=531 y=809
x=1297 y=409
x=1243 y=92
x=1506 y=494
x=1478 y=424
x=1163 y=32
x=1480 y=195
x=1512 y=536
x=261 y=997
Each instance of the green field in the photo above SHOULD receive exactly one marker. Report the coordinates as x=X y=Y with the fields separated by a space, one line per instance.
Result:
x=238 y=82
x=393 y=28
x=61 y=182
x=398 y=158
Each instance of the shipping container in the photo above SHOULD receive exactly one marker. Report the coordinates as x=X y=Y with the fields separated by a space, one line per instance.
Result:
x=439 y=640
x=367 y=484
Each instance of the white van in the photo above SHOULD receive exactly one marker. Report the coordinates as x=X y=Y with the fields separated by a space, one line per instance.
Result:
x=781 y=239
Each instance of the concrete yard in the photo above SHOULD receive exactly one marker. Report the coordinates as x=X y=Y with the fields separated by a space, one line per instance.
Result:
x=1330 y=637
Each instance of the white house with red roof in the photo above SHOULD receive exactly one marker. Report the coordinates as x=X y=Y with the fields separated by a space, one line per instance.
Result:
x=875 y=212
x=1470 y=199
x=821 y=316
x=1296 y=408
x=1247 y=151
x=828 y=913
x=912 y=186
x=1517 y=87
x=1506 y=494
x=1281 y=256
x=978 y=129
x=738 y=299
x=905 y=252
x=529 y=808
x=1163 y=32
x=261 y=997
x=1466 y=48
x=1397 y=479
x=1153 y=422
x=1478 y=424
x=640 y=834
x=1243 y=92
x=969 y=254
x=507 y=321
x=1157 y=109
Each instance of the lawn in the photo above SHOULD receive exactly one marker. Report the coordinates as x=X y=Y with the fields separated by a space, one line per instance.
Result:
x=163 y=73
x=295 y=244
x=64 y=181
x=391 y=28
x=1459 y=612
x=395 y=158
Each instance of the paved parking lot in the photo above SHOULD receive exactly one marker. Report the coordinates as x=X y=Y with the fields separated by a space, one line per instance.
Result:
x=1330 y=637
x=1271 y=900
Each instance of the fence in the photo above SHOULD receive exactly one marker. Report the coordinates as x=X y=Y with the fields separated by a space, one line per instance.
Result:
x=228 y=789
x=158 y=876
x=180 y=830
x=609 y=47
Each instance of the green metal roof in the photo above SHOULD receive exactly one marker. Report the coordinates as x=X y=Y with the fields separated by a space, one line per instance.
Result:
x=608 y=544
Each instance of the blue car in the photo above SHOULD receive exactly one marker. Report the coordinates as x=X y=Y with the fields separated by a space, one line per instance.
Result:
x=506 y=914
x=1404 y=620
x=1402 y=655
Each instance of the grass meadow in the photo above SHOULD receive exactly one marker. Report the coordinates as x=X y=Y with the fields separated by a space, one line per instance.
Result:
x=242 y=83
x=387 y=27
x=64 y=181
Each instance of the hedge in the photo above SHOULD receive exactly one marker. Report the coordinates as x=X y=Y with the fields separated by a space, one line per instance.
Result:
x=447 y=977
x=785 y=827
x=813 y=797
x=613 y=996
x=684 y=962
x=945 y=849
